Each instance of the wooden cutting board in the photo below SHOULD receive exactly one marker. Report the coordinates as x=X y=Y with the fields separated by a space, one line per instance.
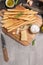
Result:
x=17 y=37
x=29 y=35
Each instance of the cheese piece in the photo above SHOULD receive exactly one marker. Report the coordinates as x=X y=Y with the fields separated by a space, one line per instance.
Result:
x=24 y=27
x=23 y=35
x=18 y=30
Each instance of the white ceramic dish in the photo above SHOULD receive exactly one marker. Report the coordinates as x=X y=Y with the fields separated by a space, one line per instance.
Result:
x=7 y=5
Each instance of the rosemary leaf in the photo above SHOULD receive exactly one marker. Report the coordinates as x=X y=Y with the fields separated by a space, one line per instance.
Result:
x=16 y=2
x=33 y=42
x=19 y=14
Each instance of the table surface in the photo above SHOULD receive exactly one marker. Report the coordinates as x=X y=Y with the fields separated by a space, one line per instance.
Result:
x=22 y=55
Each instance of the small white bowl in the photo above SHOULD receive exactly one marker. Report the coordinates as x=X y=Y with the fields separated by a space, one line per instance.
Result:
x=8 y=5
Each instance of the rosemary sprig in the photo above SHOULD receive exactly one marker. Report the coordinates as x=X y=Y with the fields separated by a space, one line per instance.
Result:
x=33 y=42
x=16 y=2
x=18 y=15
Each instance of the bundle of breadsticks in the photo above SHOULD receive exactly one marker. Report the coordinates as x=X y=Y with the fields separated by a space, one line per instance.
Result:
x=18 y=20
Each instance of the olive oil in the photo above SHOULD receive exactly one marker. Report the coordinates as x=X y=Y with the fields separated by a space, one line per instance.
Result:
x=41 y=28
x=9 y=3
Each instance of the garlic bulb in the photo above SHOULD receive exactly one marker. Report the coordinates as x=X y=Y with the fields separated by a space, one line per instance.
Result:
x=30 y=2
x=34 y=28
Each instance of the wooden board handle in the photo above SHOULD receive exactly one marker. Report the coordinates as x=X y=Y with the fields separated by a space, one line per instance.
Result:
x=5 y=54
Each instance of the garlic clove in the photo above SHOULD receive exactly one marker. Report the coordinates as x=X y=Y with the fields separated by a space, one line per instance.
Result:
x=34 y=28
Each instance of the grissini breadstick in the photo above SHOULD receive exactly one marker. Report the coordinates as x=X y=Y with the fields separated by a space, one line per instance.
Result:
x=16 y=24
x=15 y=10
x=27 y=18
x=31 y=22
x=20 y=24
x=13 y=16
x=19 y=10
x=25 y=12
x=8 y=23
x=19 y=21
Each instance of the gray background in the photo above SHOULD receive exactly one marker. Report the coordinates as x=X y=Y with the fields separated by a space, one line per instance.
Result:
x=22 y=55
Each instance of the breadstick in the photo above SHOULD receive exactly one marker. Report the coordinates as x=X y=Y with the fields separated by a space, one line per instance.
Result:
x=20 y=24
x=23 y=17
x=17 y=10
x=8 y=23
x=25 y=12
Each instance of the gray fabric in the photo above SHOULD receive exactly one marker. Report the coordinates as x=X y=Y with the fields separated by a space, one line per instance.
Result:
x=22 y=55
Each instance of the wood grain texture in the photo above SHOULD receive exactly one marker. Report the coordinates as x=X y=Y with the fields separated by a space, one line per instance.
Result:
x=5 y=54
